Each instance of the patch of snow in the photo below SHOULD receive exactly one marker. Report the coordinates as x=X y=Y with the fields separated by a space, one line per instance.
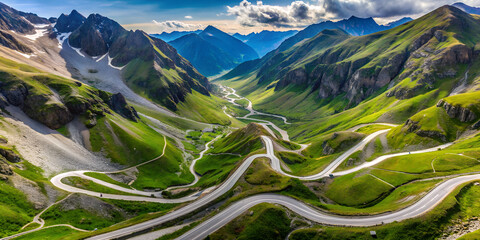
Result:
x=41 y=25
x=25 y=55
x=61 y=38
x=110 y=64
x=78 y=50
x=102 y=57
x=38 y=33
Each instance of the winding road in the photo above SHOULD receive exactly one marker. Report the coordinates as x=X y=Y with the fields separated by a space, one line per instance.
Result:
x=422 y=206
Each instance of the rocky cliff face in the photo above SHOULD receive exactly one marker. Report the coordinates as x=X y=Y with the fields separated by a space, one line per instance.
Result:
x=56 y=110
x=460 y=113
x=96 y=35
x=10 y=155
x=41 y=108
x=118 y=104
x=70 y=22
x=414 y=127
x=445 y=130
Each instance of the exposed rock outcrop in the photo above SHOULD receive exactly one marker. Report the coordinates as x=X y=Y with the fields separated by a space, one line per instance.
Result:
x=15 y=94
x=10 y=155
x=327 y=150
x=476 y=125
x=119 y=105
x=432 y=134
x=413 y=127
x=457 y=112
x=5 y=168
x=54 y=115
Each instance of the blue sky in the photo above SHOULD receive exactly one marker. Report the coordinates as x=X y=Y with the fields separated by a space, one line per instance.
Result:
x=231 y=15
x=134 y=11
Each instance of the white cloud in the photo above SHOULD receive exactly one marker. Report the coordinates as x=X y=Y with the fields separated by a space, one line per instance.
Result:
x=298 y=13
x=188 y=17
x=169 y=26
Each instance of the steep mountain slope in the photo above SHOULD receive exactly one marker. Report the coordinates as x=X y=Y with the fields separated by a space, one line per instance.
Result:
x=206 y=57
x=150 y=66
x=265 y=41
x=11 y=19
x=213 y=51
x=354 y=26
x=167 y=37
x=10 y=41
x=240 y=51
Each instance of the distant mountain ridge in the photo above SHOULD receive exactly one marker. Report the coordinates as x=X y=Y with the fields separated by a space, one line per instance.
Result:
x=354 y=25
x=239 y=50
x=168 y=37
x=213 y=51
x=466 y=8
x=265 y=41
x=206 y=57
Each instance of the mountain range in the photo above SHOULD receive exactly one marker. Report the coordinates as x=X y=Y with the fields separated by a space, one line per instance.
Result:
x=213 y=51
x=336 y=67
x=466 y=8
x=168 y=37
x=165 y=76
x=265 y=41
x=354 y=26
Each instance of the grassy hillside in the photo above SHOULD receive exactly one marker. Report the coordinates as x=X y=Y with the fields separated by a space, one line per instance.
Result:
x=396 y=73
x=264 y=221
x=444 y=122
x=227 y=152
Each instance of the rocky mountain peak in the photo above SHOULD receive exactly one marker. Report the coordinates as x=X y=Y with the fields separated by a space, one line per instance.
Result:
x=70 y=22
x=96 y=35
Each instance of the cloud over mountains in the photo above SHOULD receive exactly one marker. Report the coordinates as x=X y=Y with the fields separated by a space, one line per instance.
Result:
x=168 y=26
x=302 y=13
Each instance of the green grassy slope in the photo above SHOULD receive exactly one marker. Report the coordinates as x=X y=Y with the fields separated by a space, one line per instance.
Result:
x=430 y=68
x=227 y=152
